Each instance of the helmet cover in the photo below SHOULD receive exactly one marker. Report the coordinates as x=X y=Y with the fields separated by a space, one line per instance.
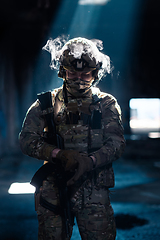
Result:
x=78 y=54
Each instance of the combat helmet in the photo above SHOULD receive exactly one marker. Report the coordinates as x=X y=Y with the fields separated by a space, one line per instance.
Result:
x=79 y=54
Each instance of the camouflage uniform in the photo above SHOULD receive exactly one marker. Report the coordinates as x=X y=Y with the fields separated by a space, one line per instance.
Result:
x=90 y=194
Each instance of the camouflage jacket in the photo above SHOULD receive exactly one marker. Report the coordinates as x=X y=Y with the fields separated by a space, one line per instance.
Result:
x=106 y=143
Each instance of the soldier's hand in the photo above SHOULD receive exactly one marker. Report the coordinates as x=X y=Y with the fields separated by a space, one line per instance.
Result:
x=85 y=164
x=68 y=159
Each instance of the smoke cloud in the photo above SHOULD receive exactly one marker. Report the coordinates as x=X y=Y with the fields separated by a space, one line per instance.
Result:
x=93 y=48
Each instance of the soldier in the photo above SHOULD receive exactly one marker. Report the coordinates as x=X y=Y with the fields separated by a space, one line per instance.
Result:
x=89 y=128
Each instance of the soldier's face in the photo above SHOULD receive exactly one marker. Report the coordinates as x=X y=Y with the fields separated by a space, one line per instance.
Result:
x=78 y=83
x=85 y=76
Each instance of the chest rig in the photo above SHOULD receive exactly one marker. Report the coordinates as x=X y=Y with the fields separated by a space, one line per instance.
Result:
x=78 y=123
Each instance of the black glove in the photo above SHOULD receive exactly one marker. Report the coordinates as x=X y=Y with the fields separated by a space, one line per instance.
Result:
x=85 y=164
x=68 y=159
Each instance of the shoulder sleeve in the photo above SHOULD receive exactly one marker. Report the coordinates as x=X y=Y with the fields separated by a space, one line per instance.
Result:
x=114 y=142
x=31 y=138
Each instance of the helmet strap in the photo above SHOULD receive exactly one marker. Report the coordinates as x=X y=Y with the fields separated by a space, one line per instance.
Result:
x=65 y=92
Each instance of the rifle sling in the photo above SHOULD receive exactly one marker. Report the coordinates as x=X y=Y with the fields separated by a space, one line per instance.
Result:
x=54 y=208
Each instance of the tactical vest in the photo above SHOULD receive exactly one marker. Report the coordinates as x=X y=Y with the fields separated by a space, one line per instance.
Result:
x=79 y=126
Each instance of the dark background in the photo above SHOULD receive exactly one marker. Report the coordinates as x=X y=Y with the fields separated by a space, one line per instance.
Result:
x=128 y=29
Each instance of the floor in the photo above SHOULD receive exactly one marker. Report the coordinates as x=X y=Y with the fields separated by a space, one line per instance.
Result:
x=135 y=198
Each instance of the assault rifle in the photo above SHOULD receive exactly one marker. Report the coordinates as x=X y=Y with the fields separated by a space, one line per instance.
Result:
x=61 y=178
